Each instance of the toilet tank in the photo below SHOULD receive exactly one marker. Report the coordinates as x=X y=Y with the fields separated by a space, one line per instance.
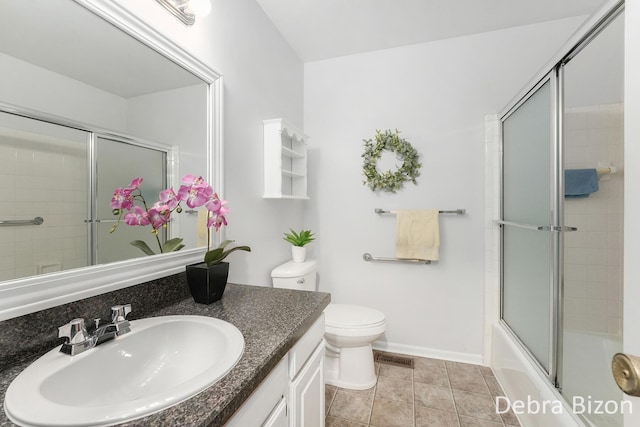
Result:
x=295 y=275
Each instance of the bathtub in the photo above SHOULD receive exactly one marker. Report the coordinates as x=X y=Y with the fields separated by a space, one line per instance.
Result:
x=587 y=369
x=539 y=403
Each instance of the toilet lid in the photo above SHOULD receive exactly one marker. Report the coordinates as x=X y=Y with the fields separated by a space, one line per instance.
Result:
x=352 y=316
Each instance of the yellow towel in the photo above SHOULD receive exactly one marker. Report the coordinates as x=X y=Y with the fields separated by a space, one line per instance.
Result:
x=418 y=234
x=201 y=228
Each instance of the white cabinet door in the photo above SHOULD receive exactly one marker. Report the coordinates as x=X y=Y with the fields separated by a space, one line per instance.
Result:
x=307 y=393
x=278 y=417
x=264 y=401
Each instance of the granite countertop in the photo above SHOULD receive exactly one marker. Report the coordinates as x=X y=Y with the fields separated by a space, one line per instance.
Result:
x=271 y=321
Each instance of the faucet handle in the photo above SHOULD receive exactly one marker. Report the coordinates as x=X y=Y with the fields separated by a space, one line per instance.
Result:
x=119 y=312
x=74 y=331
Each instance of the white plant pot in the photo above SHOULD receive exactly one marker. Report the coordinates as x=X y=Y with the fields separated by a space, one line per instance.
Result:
x=299 y=253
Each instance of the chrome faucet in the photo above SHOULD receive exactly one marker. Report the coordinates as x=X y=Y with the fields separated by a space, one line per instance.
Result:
x=79 y=339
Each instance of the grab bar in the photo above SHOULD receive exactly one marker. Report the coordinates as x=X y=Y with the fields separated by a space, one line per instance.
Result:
x=368 y=257
x=389 y=212
x=35 y=221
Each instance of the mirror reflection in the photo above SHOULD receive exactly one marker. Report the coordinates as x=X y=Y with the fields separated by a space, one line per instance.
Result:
x=85 y=108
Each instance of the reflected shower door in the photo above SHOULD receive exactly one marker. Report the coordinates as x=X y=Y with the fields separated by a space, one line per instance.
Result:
x=43 y=173
x=527 y=242
x=118 y=164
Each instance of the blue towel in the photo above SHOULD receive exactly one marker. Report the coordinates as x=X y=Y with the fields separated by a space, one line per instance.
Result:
x=580 y=182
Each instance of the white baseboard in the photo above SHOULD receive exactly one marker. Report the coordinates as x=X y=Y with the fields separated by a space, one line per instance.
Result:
x=453 y=356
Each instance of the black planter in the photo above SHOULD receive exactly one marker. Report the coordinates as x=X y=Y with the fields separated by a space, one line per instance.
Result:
x=207 y=283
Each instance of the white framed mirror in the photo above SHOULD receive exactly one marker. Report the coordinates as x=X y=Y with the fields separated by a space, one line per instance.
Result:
x=94 y=72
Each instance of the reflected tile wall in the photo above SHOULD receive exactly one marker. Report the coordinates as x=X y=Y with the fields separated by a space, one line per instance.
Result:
x=593 y=254
x=46 y=182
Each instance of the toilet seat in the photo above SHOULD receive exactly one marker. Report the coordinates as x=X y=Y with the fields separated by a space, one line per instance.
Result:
x=349 y=316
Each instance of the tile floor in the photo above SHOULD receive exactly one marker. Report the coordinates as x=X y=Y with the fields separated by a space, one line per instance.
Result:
x=434 y=393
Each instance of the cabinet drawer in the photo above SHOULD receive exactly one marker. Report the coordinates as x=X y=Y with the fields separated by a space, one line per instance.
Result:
x=303 y=348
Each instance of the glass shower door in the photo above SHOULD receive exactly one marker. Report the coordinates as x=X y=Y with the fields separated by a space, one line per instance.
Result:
x=527 y=212
x=593 y=115
x=118 y=164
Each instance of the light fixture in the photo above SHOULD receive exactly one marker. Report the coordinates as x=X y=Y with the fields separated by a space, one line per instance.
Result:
x=186 y=10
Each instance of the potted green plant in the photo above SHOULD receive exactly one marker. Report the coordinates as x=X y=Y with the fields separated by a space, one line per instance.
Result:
x=298 y=242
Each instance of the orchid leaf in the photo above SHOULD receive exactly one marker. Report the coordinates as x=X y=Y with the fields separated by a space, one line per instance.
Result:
x=143 y=247
x=172 y=245
x=217 y=255
x=213 y=256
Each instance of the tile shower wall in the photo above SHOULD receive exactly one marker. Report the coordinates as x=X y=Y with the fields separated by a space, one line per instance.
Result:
x=53 y=186
x=593 y=254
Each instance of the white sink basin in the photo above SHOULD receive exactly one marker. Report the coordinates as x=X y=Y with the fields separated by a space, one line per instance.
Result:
x=161 y=362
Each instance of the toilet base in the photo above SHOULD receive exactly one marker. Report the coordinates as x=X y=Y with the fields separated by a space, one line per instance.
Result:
x=350 y=367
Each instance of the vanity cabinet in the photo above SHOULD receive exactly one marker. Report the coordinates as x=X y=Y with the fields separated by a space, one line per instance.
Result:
x=306 y=393
x=293 y=393
x=285 y=161
x=306 y=378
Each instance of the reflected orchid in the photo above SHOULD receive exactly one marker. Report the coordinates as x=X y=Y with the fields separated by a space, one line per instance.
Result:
x=194 y=192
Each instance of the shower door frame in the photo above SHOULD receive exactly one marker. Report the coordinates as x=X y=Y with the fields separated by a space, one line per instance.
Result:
x=555 y=226
x=555 y=76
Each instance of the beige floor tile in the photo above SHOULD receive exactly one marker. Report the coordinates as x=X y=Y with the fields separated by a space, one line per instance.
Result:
x=367 y=392
x=339 y=422
x=476 y=422
x=396 y=372
x=459 y=366
x=509 y=418
x=436 y=393
x=429 y=417
x=494 y=386
x=426 y=361
x=486 y=371
x=329 y=394
x=476 y=405
x=434 y=397
x=468 y=380
x=389 y=413
x=393 y=389
x=351 y=406
x=431 y=374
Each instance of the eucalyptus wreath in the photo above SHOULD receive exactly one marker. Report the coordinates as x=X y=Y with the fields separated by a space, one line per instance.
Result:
x=388 y=180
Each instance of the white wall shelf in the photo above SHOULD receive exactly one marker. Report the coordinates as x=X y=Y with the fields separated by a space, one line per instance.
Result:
x=285 y=161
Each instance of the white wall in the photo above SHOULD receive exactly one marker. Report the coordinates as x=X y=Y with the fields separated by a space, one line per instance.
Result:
x=263 y=79
x=437 y=94
x=33 y=87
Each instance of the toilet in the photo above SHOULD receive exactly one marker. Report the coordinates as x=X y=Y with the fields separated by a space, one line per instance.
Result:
x=349 y=330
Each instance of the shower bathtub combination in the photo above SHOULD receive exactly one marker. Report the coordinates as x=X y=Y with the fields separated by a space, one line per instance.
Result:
x=556 y=244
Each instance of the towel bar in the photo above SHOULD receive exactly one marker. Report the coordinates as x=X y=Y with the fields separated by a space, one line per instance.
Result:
x=35 y=221
x=607 y=170
x=368 y=257
x=389 y=212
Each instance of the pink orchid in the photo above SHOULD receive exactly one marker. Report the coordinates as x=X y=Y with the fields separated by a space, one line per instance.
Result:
x=216 y=205
x=194 y=191
x=121 y=199
x=138 y=217
x=159 y=215
x=216 y=221
x=135 y=184
x=169 y=198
